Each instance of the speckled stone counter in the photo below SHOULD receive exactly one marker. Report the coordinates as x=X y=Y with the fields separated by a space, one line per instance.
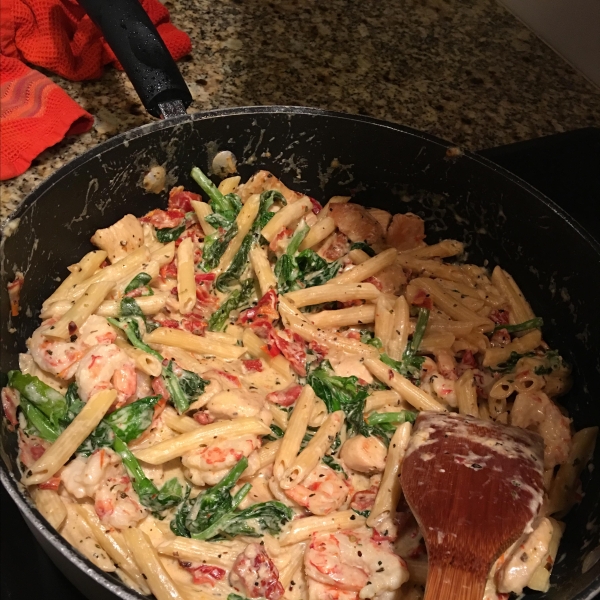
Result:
x=465 y=71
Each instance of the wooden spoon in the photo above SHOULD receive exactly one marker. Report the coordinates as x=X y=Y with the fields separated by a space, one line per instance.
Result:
x=474 y=487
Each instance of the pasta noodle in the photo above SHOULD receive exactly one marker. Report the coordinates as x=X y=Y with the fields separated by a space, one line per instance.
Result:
x=318 y=232
x=390 y=490
x=330 y=293
x=192 y=343
x=172 y=448
x=368 y=268
x=286 y=216
x=148 y=561
x=186 y=285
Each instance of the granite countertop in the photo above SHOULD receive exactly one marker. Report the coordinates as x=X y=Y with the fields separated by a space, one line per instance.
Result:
x=468 y=72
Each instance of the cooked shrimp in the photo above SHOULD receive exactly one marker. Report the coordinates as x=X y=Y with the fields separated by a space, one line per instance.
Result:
x=322 y=491
x=208 y=465
x=59 y=357
x=103 y=478
x=534 y=410
x=106 y=367
x=255 y=575
x=352 y=562
x=364 y=454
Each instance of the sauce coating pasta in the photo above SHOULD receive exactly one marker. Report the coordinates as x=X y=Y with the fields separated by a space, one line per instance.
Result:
x=221 y=397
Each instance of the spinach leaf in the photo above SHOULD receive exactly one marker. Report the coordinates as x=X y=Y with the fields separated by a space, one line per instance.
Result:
x=364 y=247
x=171 y=494
x=368 y=337
x=140 y=280
x=46 y=399
x=390 y=420
x=536 y=323
x=37 y=423
x=226 y=205
x=213 y=515
x=130 y=308
x=256 y=520
x=197 y=515
x=130 y=421
x=184 y=386
x=215 y=245
x=131 y=327
x=169 y=234
x=237 y=299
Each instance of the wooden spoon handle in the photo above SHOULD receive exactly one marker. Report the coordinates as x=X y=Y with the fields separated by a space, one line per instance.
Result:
x=449 y=583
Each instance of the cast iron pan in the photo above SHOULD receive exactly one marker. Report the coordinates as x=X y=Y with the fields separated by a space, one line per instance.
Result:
x=501 y=219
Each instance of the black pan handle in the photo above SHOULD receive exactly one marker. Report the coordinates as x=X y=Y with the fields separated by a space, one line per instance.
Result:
x=133 y=38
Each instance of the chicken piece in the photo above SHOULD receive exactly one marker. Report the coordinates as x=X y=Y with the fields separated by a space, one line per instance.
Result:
x=383 y=217
x=118 y=240
x=391 y=280
x=406 y=232
x=263 y=181
x=364 y=454
x=355 y=221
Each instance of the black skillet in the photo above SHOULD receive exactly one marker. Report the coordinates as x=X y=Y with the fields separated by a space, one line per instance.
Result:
x=462 y=196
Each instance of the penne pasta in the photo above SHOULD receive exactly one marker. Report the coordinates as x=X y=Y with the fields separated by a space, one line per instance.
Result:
x=193 y=343
x=355 y=315
x=390 y=489
x=381 y=398
x=145 y=362
x=49 y=503
x=308 y=459
x=301 y=530
x=186 y=284
x=71 y=438
x=229 y=185
x=298 y=422
x=420 y=399
x=128 y=266
x=117 y=552
x=286 y=216
x=562 y=494
x=79 y=272
x=367 y=269
x=255 y=347
x=318 y=232
x=67 y=326
x=177 y=446
x=448 y=304
x=149 y=305
x=244 y=222
x=202 y=210
x=146 y=558
x=213 y=553
x=330 y=293
x=262 y=269
x=358 y=257
x=466 y=394
x=398 y=336
x=520 y=309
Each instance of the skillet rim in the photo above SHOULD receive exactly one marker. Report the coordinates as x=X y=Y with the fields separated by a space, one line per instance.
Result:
x=11 y=485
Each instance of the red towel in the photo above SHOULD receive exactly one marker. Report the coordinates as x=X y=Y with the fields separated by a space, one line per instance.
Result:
x=58 y=35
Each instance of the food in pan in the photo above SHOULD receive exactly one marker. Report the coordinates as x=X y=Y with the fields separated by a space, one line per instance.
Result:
x=218 y=400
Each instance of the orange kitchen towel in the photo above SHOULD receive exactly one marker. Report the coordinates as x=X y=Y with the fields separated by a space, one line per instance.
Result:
x=35 y=113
